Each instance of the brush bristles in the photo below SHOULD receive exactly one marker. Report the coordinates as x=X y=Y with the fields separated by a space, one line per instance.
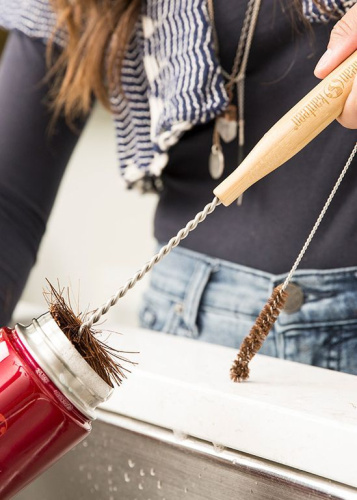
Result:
x=258 y=333
x=103 y=359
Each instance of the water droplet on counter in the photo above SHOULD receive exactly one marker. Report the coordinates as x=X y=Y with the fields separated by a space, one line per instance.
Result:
x=110 y=468
x=110 y=481
x=142 y=472
x=218 y=448
x=111 y=498
x=89 y=476
x=96 y=487
x=185 y=490
x=131 y=463
x=81 y=467
x=152 y=472
x=85 y=444
x=126 y=478
x=199 y=476
x=159 y=485
x=141 y=486
x=179 y=435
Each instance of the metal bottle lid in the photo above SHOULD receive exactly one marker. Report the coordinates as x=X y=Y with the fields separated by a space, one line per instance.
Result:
x=63 y=364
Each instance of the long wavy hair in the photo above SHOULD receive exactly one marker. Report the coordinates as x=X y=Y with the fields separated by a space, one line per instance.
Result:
x=98 y=35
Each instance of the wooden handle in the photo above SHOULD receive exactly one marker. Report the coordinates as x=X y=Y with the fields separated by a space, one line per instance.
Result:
x=293 y=131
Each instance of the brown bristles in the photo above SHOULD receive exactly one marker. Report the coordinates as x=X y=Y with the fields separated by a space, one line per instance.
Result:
x=258 y=333
x=104 y=359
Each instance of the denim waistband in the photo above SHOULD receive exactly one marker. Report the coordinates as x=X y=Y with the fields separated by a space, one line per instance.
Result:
x=192 y=278
x=216 y=301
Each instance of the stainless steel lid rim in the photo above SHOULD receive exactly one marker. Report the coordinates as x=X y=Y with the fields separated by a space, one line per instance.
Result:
x=64 y=365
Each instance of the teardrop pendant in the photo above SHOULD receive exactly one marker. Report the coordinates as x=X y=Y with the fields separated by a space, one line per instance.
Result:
x=216 y=162
x=227 y=123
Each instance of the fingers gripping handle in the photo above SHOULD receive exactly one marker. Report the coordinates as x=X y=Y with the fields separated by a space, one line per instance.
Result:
x=293 y=131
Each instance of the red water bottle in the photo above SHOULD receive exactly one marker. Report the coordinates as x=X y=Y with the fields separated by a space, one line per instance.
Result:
x=48 y=394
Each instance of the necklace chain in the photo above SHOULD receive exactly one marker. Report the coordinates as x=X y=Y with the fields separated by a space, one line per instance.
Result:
x=249 y=16
x=232 y=124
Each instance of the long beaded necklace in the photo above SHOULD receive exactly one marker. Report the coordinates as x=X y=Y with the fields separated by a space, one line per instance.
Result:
x=230 y=124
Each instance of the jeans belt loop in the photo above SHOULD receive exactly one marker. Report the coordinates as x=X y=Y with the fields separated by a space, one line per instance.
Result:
x=194 y=292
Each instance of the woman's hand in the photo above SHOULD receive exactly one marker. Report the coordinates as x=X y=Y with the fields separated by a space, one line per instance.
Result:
x=343 y=41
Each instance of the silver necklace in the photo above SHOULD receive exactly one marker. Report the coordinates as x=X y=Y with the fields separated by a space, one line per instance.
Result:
x=230 y=124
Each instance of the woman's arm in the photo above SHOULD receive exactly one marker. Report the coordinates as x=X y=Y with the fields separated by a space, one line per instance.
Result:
x=343 y=42
x=32 y=163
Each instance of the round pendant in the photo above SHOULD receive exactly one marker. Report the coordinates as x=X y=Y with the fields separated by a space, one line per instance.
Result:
x=216 y=162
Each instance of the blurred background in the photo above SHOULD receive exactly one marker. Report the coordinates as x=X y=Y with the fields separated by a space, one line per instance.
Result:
x=99 y=234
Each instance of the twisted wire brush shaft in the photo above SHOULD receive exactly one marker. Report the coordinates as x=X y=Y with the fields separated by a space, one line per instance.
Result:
x=288 y=136
x=266 y=319
x=166 y=249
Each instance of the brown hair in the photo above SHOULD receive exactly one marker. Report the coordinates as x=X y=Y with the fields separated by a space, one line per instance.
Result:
x=90 y=64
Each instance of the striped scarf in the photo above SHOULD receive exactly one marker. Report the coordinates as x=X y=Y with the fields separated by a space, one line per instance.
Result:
x=171 y=78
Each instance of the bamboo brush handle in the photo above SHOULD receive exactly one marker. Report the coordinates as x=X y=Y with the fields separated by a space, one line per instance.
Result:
x=293 y=131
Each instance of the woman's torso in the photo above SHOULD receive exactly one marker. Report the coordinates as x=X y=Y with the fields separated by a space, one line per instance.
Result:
x=268 y=230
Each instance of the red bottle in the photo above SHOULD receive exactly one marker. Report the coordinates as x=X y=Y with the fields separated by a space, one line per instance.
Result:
x=48 y=394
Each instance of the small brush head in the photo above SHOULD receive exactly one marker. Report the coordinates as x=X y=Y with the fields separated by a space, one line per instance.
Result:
x=103 y=359
x=254 y=340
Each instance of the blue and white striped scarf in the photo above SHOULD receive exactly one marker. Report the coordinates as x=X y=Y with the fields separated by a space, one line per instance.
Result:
x=171 y=78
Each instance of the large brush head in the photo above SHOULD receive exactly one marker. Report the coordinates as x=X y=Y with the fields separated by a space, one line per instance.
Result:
x=105 y=360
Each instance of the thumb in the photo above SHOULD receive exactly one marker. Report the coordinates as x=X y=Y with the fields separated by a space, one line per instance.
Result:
x=343 y=41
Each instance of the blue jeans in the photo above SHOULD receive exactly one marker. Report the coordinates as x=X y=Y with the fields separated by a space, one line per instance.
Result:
x=217 y=301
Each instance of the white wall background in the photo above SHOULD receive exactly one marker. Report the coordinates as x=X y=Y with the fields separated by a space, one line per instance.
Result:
x=98 y=235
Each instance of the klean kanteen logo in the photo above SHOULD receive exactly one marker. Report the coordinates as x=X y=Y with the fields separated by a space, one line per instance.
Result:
x=309 y=110
x=3 y=425
x=334 y=89
x=331 y=91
